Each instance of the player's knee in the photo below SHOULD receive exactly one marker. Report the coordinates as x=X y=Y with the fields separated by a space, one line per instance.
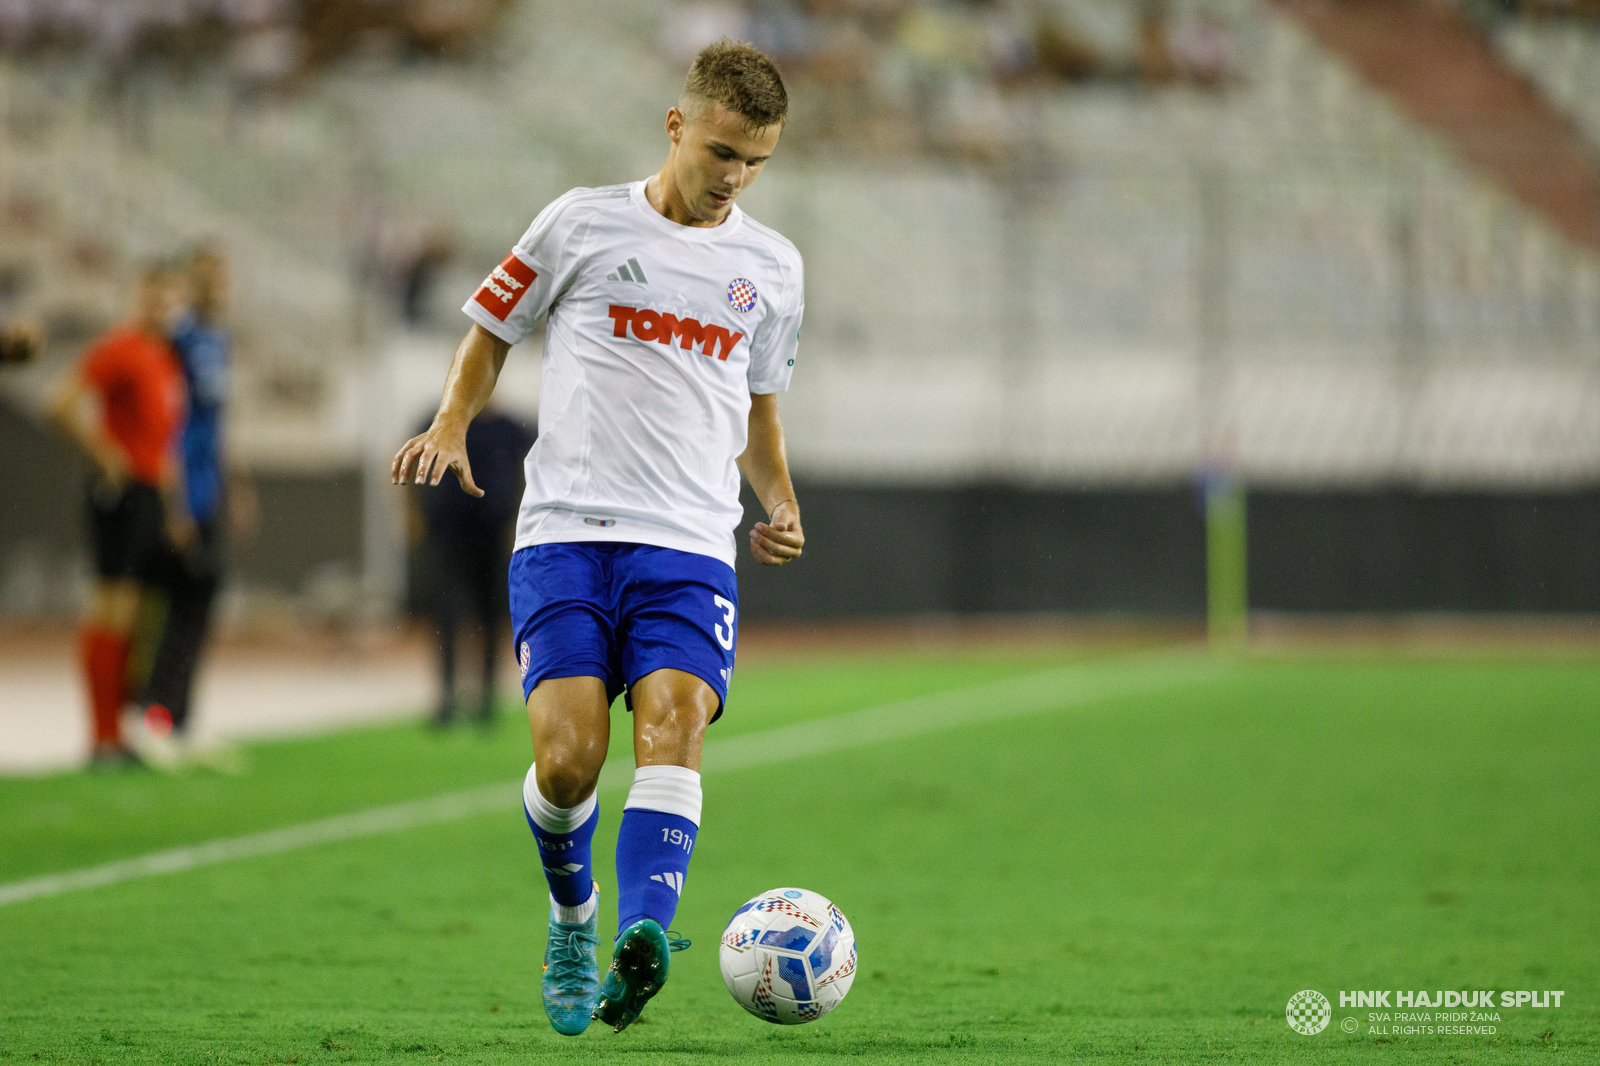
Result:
x=114 y=604
x=688 y=720
x=565 y=781
x=567 y=778
x=674 y=732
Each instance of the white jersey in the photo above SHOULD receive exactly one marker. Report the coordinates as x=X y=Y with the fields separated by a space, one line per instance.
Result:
x=658 y=335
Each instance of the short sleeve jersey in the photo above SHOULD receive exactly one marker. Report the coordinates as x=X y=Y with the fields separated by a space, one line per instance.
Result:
x=141 y=397
x=658 y=333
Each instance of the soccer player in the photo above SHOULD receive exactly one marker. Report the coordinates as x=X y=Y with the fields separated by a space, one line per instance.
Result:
x=190 y=578
x=134 y=386
x=673 y=324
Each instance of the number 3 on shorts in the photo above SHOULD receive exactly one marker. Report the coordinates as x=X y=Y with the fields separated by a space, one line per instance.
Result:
x=724 y=638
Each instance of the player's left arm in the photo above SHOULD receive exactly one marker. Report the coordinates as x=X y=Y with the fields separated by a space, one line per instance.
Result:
x=175 y=497
x=240 y=496
x=764 y=462
x=243 y=499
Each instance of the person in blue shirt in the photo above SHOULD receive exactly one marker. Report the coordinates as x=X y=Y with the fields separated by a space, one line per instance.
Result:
x=203 y=346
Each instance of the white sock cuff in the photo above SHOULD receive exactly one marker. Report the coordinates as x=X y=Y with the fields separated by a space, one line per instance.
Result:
x=548 y=816
x=668 y=789
x=578 y=914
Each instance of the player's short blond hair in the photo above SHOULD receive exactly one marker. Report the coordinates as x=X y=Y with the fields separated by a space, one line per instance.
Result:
x=740 y=78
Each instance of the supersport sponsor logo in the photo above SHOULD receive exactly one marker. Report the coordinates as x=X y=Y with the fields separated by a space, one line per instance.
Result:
x=502 y=289
x=648 y=325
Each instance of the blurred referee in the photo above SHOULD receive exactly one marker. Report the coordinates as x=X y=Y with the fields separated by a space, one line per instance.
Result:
x=123 y=405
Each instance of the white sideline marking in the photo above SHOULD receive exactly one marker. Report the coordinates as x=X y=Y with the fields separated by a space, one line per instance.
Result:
x=1013 y=697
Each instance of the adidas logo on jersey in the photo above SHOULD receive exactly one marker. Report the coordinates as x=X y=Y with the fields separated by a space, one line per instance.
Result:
x=623 y=273
x=672 y=879
x=716 y=342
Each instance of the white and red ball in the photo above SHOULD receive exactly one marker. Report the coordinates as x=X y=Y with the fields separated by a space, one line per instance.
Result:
x=788 y=956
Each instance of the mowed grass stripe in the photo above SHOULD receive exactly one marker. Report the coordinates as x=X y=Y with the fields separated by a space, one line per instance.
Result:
x=449 y=807
x=1057 y=689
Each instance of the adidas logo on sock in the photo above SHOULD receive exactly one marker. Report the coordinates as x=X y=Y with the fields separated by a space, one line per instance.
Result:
x=622 y=273
x=672 y=879
x=564 y=871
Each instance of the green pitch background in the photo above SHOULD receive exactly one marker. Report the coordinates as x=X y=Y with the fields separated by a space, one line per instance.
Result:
x=1143 y=878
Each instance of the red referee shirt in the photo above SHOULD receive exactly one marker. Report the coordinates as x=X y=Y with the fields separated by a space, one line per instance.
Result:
x=141 y=397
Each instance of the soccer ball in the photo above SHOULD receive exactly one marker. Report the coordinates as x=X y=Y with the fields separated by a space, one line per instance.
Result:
x=788 y=956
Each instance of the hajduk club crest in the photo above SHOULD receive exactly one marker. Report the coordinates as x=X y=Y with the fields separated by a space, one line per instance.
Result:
x=742 y=295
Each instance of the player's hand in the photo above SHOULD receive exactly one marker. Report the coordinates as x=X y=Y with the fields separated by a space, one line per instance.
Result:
x=432 y=453
x=776 y=542
x=112 y=464
x=180 y=531
x=244 y=508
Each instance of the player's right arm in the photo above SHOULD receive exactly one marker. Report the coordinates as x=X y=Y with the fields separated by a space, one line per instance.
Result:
x=514 y=296
x=443 y=446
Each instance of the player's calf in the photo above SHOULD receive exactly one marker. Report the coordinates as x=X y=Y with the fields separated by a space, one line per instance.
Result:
x=659 y=824
x=564 y=836
x=571 y=979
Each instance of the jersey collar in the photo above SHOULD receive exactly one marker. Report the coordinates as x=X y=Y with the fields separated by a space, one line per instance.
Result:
x=698 y=234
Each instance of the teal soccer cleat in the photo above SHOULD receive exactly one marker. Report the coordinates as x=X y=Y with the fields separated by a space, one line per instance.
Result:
x=571 y=973
x=638 y=970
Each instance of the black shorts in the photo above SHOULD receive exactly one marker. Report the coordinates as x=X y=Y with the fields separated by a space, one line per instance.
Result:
x=129 y=531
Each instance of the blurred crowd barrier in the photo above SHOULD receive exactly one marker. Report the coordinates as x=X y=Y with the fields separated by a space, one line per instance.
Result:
x=1056 y=245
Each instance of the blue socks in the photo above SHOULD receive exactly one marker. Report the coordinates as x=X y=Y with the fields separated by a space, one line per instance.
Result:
x=564 y=835
x=659 y=823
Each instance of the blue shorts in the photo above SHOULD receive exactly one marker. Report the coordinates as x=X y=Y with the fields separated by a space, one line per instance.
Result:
x=620 y=611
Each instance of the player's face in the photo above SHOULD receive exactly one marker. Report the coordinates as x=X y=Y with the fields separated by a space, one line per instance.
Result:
x=208 y=283
x=716 y=156
x=160 y=302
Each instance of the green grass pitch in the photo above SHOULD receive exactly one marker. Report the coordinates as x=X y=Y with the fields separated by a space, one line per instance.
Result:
x=1146 y=877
